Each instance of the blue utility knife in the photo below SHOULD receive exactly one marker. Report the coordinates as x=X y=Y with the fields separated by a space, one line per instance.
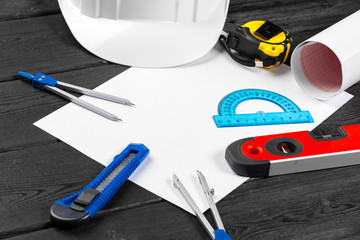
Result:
x=84 y=204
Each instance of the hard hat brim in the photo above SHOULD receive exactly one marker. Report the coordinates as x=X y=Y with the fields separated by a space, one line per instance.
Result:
x=145 y=43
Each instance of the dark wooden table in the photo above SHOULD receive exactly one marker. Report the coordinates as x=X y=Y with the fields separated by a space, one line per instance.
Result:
x=36 y=169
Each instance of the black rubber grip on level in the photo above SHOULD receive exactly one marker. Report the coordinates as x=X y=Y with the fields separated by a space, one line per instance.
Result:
x=243 y=165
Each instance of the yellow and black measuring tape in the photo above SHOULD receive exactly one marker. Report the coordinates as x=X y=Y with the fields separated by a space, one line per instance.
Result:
x=258 y=44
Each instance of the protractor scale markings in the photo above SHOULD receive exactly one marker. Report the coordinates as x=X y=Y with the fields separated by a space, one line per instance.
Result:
x=227 y=110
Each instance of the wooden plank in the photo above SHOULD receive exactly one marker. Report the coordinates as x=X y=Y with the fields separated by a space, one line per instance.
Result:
x=254 y=226
x=314 y=205
x=299 y=17
x=33 y=178
x=143 y=223
x=42 y=44
x=302 y=19
x=10 y=10
x=21 y=105
x=317 y=205
x=46 y=44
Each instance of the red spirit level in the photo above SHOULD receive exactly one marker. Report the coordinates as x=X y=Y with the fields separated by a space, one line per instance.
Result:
x=278 y=154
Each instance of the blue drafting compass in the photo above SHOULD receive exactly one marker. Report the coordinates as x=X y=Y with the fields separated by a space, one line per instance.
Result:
x=227 y=110
x=43 y=81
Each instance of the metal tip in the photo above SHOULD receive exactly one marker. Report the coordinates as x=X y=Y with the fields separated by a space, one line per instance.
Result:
x=118 y=119
x=131 y=104
x=200 y=176
x=175 y=181
x=175 y=177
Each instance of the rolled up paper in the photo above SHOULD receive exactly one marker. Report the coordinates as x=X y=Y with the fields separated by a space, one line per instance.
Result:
x=329 y=62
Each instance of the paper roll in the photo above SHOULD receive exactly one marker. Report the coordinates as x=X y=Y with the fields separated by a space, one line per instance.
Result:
x=329 y=62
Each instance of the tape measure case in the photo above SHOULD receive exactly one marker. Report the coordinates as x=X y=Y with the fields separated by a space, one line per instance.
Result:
x=258 y=43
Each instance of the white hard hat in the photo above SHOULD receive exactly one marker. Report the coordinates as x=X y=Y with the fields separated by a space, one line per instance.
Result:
x=146 y=33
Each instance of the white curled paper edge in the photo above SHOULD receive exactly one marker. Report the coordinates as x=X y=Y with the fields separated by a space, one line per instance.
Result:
x=341 y=41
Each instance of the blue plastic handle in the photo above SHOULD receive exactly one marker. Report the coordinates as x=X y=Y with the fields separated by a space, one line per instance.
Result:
x=26 y=75
x=220 y=234
x=61 y=211
x=39 y=79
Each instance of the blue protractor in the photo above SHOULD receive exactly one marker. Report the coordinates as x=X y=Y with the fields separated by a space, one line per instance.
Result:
x=227 y=110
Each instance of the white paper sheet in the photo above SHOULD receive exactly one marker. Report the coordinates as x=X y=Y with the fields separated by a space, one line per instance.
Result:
x=173 y=118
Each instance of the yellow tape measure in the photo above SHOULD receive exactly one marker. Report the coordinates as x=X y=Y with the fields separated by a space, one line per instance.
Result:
x=258 y=44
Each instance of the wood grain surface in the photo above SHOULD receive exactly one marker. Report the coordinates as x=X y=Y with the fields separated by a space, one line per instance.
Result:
x=36 y=169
